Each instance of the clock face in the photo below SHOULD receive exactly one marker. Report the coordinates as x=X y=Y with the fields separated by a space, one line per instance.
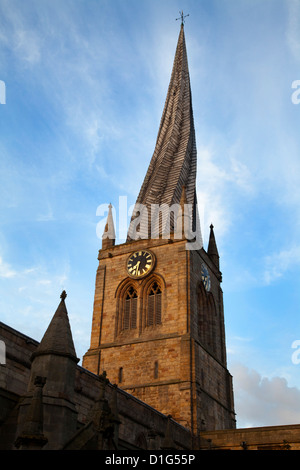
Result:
x=205 y=277
x=140 y=263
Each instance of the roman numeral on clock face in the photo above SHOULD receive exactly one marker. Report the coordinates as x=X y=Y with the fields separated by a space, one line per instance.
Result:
x=140 y=263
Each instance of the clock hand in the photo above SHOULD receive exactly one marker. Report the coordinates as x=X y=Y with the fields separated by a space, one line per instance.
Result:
x=136 y=267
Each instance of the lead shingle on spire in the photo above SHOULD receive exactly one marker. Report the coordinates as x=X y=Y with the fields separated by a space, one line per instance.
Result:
x=174 y=161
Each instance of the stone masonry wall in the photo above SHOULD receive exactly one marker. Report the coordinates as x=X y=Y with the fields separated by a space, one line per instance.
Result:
x=139 y=422
x=139 y=351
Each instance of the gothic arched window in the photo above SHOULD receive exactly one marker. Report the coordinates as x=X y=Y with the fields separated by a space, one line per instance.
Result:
x=130 y=309
x=206 y=319
x=154 y=305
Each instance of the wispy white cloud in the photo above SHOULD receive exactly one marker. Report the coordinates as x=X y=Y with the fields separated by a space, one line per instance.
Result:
x=264 y=401
x=293 y=28
x=36 y=282
x=27 y=45
x=46 y=216
x=97 y=81
x=19 y=37
x=222 y=182
x=6 y=270
x=279 y=263
x=27 y=295
x=235 y=344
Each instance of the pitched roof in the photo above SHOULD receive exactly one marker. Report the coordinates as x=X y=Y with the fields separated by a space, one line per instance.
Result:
x=174 y=161
x=58 y=337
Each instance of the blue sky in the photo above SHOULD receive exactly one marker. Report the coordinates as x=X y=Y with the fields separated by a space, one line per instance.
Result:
x=85 y=87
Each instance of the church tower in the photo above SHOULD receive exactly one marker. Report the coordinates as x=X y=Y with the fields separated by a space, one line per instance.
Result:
x=158 y=321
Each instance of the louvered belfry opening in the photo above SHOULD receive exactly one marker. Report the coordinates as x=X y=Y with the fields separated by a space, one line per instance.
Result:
x=154 y=305
x=130 y=309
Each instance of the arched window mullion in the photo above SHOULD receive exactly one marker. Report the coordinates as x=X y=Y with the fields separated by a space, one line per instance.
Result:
x=158 y=308
x=154 y=305
x=126 y=316
x=133 y=316
x=150 y=313
x=129 y=313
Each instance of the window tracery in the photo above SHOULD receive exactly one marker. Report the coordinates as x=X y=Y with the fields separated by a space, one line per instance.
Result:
x=129 y=320
x=154 y=304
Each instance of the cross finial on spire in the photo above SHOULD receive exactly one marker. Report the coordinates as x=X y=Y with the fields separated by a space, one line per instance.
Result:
x=182 y=16
x=63 y=295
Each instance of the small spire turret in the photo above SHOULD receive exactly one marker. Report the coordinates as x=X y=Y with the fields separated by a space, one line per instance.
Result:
x=58 y=337
x=109 y=235
x=212 y=249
